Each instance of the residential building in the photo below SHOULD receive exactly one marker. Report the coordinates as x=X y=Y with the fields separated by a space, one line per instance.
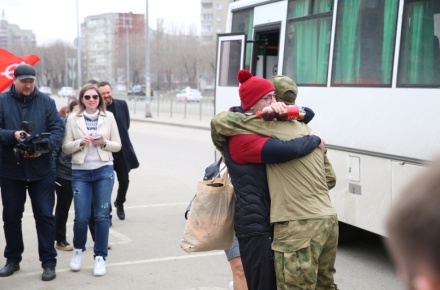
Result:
x=12 y=38
x=213 y=16
x=113 y=48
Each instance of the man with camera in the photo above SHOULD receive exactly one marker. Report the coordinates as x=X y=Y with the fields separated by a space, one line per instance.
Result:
x=30 y=128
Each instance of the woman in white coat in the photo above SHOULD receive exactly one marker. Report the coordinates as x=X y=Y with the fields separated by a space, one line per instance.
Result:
x=91 y=136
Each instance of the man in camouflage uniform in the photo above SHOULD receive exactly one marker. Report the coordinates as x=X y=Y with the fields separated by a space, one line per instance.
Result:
x=305 y=222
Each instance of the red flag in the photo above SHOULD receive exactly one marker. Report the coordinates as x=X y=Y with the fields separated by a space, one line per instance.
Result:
x=8 y=62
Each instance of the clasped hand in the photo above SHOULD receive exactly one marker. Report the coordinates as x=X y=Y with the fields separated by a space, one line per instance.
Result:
x=90 y=139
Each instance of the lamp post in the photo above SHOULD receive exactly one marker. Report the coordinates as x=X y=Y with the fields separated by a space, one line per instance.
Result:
x=78 y=47
x=65 y=65
x=147 y=66
x=127 y=24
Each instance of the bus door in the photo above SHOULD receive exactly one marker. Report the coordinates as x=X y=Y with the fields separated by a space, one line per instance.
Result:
x=230 y=59
x=266 y=51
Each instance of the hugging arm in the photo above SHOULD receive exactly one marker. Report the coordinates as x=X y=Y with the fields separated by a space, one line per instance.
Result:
x=252 y=148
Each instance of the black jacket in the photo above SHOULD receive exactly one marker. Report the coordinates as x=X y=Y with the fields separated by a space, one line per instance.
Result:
x=122 y=116
x=39 y=109
x=252 y=200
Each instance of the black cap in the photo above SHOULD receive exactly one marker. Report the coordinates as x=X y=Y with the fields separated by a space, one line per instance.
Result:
x=24 y=71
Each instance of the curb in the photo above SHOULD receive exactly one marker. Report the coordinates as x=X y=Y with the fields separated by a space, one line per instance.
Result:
x=172 y=123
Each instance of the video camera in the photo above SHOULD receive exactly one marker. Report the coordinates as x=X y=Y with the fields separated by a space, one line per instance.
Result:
x=30 y=145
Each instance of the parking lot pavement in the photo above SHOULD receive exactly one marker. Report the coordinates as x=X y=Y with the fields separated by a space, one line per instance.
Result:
x=176 y=121
x=143 y=256
x=146 y=251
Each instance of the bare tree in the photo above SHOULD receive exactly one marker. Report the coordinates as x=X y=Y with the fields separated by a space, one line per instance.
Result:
x=176 y=56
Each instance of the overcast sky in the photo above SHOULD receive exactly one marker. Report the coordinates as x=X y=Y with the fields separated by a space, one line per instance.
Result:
x=51 y=20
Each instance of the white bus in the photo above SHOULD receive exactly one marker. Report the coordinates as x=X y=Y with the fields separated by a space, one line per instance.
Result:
x=369 y=69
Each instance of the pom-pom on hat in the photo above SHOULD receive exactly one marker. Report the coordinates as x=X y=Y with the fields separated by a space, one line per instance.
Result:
x=252 y=88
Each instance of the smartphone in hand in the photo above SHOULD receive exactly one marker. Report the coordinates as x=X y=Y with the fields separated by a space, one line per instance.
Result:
x=97 y=137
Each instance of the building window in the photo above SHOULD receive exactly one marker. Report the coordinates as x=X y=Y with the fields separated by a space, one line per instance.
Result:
x=206 y=28
x=206 y=5
x=206 y=17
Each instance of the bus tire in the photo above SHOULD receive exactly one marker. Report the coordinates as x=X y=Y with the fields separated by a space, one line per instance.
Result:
x=347 y=233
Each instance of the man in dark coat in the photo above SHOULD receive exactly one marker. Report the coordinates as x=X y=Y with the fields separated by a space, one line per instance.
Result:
x=26 y=166
x=126 y=159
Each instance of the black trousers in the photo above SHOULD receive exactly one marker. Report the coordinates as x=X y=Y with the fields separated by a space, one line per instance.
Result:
x=258 y=262
x=64 y=201
x=122 y=175
x=42 y=196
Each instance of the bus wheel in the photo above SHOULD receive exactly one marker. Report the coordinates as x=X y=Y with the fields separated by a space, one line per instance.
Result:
x=347 y=233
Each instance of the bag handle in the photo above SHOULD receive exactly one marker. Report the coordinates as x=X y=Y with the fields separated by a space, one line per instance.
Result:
x=225 y=175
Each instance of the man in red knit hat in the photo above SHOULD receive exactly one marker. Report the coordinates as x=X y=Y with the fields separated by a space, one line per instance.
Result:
x=246 y=156
x=305 y=233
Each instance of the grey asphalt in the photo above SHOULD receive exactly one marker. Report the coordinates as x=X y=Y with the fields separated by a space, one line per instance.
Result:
x=145 y=250
x=190 y=122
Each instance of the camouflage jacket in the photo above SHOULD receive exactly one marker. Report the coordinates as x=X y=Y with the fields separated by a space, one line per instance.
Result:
x=226 y=124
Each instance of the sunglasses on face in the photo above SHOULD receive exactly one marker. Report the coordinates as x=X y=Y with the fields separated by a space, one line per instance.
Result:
x=87 y=97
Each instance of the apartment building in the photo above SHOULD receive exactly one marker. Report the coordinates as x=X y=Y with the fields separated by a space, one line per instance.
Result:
x=113 y=48
x=213 y=15
x=12 y=38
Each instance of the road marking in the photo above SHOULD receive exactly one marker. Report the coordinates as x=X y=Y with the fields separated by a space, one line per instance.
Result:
x=191 y=256
x=31 y=214
x=123 y=238
x=157 y=205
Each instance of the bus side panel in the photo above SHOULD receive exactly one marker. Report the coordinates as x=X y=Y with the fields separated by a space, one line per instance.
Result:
x=364 y=203
x=400 y=122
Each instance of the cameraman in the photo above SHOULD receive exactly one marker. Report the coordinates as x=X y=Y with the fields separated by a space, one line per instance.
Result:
x=34 y=173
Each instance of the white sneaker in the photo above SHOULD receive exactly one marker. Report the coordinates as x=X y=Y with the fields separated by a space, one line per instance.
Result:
x=75 y=263
x=99 y=266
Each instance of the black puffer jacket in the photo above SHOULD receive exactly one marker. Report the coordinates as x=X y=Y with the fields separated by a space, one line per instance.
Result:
x=252 y=200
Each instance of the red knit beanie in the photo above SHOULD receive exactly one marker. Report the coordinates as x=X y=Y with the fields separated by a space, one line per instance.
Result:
x=252 y=88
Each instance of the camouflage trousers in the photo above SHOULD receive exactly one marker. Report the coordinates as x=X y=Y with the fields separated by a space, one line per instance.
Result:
x=305 y=253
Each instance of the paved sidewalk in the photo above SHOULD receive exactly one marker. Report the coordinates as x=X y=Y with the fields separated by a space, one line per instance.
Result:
x=175 y=121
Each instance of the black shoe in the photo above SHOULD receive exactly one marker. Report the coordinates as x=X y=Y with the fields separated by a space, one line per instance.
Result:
x=120 y=211
x=48 y=274
x=9 y=269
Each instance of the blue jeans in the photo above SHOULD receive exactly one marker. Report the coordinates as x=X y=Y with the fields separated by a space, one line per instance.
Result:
x=96 y=185
x=42 y=195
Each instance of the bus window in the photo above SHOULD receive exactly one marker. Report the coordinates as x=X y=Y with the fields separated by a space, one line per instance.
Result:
x=307 y=45
x=364 y=42
x=419 y=61
x=230 y=54
x=243 y=22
